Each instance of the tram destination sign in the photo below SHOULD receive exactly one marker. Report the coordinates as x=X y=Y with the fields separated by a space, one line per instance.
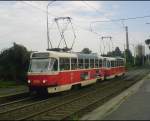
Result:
x=40 y=55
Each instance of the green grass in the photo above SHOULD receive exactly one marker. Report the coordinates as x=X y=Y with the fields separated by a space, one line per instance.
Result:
x=75 y=118
x=7 y=84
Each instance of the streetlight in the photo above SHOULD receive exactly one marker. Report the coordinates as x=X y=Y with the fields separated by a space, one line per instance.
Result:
x=48 y=39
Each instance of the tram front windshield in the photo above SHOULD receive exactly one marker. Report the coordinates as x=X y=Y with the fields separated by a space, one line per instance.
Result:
x=43 y=65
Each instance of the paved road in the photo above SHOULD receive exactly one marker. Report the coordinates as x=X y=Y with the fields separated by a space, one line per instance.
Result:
x=136 y=107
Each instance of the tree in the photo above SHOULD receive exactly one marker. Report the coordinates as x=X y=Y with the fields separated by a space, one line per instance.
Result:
x=115 y=53
x=86 y=51
x=14 y=63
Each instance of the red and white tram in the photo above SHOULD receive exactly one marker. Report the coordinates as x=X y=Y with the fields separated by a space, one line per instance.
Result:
x=54 y=71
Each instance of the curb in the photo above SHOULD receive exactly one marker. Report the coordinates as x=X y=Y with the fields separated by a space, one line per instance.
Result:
x=111 y=105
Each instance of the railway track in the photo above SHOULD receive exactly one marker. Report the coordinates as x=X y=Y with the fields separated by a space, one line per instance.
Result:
x=6 y=107
x=63 y=106
x=13 y=97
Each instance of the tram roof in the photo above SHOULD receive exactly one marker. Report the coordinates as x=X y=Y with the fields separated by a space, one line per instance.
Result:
x=63 y=54
x=92 y=55
x=52 y=54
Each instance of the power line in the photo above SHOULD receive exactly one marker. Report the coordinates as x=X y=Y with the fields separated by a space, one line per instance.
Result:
x=92 y=7
x=110 y=20
x=123 y=19
x=57 y=16
x=86 y=29
x=27 y=3
x=98 y=13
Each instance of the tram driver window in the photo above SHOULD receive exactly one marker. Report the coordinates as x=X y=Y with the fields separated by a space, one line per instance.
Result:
x=64 y=64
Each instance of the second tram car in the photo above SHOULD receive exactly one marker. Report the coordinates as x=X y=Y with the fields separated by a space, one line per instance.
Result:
x=54 y=71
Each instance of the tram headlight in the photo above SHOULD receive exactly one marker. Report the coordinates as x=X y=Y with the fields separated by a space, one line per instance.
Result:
x=29 y=81
x=44 y=81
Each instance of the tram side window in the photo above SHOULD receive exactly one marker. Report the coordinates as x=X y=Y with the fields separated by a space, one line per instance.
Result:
x=73 y=63
x=86 y=63
x=91 y=63
x=108 y=64
x=96 y=63
x=112 y=63
x=80 y=63
x=104 y=63
x=100 y=62
x=121 y=62
x=64 y=63
x=55 y=64
x=117 y=63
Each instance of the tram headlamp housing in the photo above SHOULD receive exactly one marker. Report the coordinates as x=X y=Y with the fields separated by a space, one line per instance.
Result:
x=44 y=81
x=29 y=81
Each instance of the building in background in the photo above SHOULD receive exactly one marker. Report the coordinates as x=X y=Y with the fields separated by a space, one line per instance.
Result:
x=140 y=54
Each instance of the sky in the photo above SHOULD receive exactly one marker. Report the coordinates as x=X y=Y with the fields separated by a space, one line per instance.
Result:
x=24 y=22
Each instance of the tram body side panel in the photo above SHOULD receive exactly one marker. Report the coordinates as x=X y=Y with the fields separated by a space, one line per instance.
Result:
x=62 y=78
x=115 y=71
x=76 y=76
x=69 y=78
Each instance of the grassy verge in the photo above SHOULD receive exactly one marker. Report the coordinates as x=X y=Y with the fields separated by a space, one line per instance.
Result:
x=7 y=84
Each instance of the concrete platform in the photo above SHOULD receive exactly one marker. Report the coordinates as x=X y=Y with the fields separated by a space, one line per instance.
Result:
x=132 y=104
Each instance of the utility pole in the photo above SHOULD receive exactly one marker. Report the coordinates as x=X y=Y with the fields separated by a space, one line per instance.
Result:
x=127 y=44
x=127 y=39
x=125 y=53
